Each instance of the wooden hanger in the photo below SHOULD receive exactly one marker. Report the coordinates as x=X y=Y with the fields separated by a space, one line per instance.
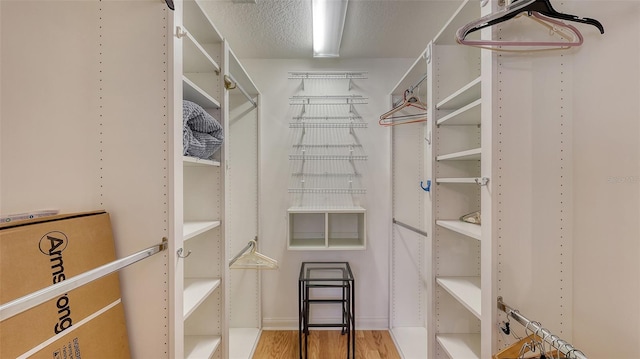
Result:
x=387 y=119
x=523 y=346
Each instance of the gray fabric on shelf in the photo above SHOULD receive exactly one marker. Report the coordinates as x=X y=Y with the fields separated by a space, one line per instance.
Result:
x=202 y=134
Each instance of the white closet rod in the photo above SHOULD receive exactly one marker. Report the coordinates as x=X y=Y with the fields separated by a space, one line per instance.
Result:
x=245 y=93
x=29 y=301
x=410 y=227
x=535 y=327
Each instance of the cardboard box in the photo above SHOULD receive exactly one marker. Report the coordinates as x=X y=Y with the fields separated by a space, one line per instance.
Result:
x=87 y=322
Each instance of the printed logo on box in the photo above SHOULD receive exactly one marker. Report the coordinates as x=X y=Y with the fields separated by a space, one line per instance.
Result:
x=53 y=244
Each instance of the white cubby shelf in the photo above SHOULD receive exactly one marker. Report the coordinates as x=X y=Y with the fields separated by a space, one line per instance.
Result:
x=338 y=228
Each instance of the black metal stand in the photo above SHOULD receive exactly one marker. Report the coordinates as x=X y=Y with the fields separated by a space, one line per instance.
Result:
x=327 y=275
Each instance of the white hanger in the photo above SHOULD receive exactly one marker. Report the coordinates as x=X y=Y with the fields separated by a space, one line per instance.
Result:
x=252 y=259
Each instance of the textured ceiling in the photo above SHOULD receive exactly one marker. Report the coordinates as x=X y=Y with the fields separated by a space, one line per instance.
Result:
x=374 y=28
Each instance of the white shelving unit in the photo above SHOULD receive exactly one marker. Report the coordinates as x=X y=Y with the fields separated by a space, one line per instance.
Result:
x=216 y=214
x=451 y=308
x=242 y=294
x=409 y=261
x=199 y=50
x=461 y=252
x=327 y=163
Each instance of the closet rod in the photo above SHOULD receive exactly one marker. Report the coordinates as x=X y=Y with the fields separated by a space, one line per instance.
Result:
x=410 y=89
x=535 y=327
x=410 y=227
x=424 y=77
x=243 y=251
x=31 y=300
x=245 y=93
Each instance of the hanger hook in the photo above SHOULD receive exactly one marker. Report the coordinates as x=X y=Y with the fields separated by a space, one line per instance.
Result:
x=428 y=188
x=180 y=251
x=229 y=84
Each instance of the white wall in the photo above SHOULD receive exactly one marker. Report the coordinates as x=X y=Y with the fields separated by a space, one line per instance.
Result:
x=606 y=188
x=371 y=267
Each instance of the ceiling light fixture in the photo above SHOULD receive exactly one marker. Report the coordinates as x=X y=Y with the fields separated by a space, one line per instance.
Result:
x=328 y=22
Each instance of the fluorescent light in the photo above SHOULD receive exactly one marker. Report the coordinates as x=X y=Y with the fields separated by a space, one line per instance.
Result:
x=328 y=22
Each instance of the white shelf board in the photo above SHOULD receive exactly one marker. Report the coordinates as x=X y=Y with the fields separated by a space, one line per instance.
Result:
x=468 y=229
x=467 y=115
x=464 y=96
x=195 y=58
x=192 y=229
x=465 y=289
x=467 y=12
x=241 y=76
x=460 y=346
x=193 y=93
x=194 y=161
x=196 y=290
x=242 y=342
x=468 y=155
x=195 y=18
x=304 y=244
x=200 y=346
x=411 y=341
x=346 y=244
x=456 y=180
x=417 y=70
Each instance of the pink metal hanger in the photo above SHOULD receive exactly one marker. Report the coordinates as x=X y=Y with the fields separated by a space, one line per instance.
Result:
x=387 y=119
x=554 y=25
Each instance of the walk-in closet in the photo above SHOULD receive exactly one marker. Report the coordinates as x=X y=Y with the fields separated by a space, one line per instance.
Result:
x=444 y=179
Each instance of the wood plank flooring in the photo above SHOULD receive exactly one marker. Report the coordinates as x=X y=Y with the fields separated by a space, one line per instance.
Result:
x=325 y=344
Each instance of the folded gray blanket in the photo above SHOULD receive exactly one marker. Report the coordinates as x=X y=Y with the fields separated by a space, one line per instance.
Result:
x=202 y=134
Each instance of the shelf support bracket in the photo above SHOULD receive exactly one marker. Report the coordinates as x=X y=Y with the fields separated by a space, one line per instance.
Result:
x=482 y=181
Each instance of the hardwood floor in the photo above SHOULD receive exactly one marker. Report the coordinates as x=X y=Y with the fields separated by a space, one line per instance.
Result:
x=325 y=344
